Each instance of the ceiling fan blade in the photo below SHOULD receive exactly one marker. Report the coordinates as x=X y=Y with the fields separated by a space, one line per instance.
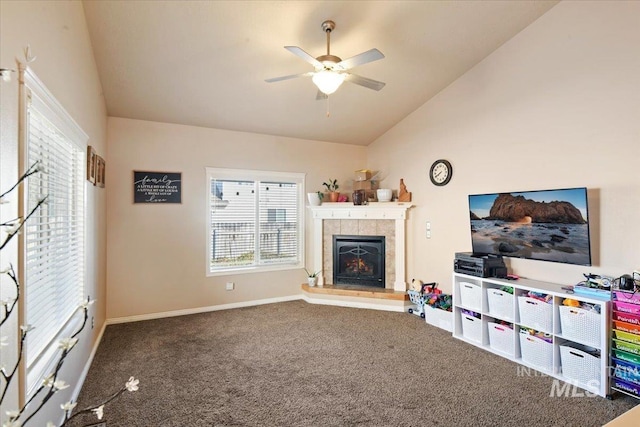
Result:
x=321 y=95
x=304 y=55
x=291 y=76
x=363 y=81
x=362 y=58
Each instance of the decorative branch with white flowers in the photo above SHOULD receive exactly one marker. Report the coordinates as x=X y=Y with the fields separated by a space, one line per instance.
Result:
x=52 y=383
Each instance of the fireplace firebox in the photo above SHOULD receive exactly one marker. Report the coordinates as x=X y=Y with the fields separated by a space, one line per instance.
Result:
x=358 y=260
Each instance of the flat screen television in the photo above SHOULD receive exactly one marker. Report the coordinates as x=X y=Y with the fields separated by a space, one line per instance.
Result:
x=547 y=225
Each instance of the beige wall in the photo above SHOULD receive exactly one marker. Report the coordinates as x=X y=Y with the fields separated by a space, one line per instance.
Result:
x=554 y=107
x=58 y=36
x=557 y=106
x=157 y=253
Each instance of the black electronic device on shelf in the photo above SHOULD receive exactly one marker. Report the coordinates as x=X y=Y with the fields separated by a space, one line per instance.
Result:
x=479 y=265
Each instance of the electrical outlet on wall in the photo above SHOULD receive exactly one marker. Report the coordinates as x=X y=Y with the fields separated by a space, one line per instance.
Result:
x=230 y=286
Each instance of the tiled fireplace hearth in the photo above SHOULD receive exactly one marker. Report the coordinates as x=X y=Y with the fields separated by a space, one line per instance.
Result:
x=376 y=219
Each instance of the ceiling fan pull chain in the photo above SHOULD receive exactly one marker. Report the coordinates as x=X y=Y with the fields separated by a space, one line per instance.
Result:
x=328 y=114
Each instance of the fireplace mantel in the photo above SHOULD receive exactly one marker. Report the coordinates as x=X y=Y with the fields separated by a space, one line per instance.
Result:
x=373 y=211
x=380 y=210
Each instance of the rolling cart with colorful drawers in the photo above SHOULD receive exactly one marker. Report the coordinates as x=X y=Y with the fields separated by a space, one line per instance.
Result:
x=625 y=343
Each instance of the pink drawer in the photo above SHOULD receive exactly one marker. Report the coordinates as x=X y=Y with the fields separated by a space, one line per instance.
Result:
x=626 y=307
x=630 y=297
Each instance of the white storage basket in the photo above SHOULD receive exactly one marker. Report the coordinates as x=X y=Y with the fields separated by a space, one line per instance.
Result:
x=471 y=295
x=536 y=352
x=535 y=314
x=500 y=304
x=501 y=338
x=441 y=318
x=580 y=324
x=472 y=328
x=578 y=365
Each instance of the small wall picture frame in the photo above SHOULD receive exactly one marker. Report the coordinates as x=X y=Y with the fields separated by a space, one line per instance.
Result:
x=100 y=172
x=91 y=164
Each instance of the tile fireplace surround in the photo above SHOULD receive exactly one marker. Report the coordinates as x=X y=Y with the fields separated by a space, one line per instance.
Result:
x=376 y=219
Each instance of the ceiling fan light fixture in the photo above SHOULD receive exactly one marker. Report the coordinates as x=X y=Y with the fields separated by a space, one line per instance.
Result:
x=328 y=81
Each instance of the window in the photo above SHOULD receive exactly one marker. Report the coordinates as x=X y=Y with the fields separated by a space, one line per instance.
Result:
x=255 y=220
x=53 y=238
x=277 y=215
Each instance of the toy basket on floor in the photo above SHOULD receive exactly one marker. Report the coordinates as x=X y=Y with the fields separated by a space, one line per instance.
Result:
x=417 y=298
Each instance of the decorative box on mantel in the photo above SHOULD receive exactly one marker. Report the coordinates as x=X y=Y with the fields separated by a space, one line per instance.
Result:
x=395 y=211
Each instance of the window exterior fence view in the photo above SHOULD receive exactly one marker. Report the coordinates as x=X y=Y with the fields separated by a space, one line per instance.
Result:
x=233 y=244
x=253 y=223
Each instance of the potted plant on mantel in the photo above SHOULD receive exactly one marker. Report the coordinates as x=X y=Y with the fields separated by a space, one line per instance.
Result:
x=312 y=278
x=332 y=187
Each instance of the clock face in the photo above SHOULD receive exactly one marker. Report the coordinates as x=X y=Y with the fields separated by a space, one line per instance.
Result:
x=441 y=172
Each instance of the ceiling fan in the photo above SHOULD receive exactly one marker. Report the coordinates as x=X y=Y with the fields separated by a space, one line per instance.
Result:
x=330 y=71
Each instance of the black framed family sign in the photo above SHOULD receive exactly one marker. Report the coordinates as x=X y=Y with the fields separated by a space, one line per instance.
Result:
x=157 y=187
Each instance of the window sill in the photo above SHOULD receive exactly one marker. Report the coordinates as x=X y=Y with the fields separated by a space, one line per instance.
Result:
x=253 y=270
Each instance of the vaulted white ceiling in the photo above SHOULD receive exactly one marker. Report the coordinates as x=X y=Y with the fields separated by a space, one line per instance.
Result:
x=204 y=63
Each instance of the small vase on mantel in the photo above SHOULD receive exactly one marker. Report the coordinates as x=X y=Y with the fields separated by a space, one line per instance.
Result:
x=315 y=199
x=333 y=196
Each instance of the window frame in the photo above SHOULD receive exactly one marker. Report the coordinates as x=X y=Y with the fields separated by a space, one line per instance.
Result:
x=256 y=176
x=34 y=94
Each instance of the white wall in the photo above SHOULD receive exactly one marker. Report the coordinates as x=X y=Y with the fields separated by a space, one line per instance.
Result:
x=59 y=39
x=557 y=106
x=156 y=254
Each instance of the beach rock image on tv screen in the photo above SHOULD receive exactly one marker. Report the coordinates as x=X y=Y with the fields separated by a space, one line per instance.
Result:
x=549 y=225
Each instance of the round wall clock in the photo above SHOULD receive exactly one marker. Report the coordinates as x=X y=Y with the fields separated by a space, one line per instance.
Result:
x=441 y=172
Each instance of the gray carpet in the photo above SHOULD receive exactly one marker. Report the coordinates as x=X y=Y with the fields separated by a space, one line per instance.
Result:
x=298 y=364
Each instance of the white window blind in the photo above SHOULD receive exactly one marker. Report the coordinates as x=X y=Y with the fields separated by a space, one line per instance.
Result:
x=255 y=220
x=53 y=238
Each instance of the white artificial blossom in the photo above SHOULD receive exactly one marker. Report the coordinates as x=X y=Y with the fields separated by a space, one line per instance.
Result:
x=27 y=328
x=67 y=343
x=11 y=423
x=48 y=381
x=85 y=305
x=12 y=414
x=68 y=406
x=99 y=411
x=59 y=385
x=13 y=226
x=132 y=384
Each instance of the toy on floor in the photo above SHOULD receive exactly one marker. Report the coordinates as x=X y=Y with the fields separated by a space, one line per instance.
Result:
x=441 y=301
x=416 y=285
x=417 y=298
x=430 y=288
x=422 y=294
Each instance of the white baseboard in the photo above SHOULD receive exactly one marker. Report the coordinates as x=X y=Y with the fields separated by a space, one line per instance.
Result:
x=354 y=304
x=152 y=316
x=87 y=365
